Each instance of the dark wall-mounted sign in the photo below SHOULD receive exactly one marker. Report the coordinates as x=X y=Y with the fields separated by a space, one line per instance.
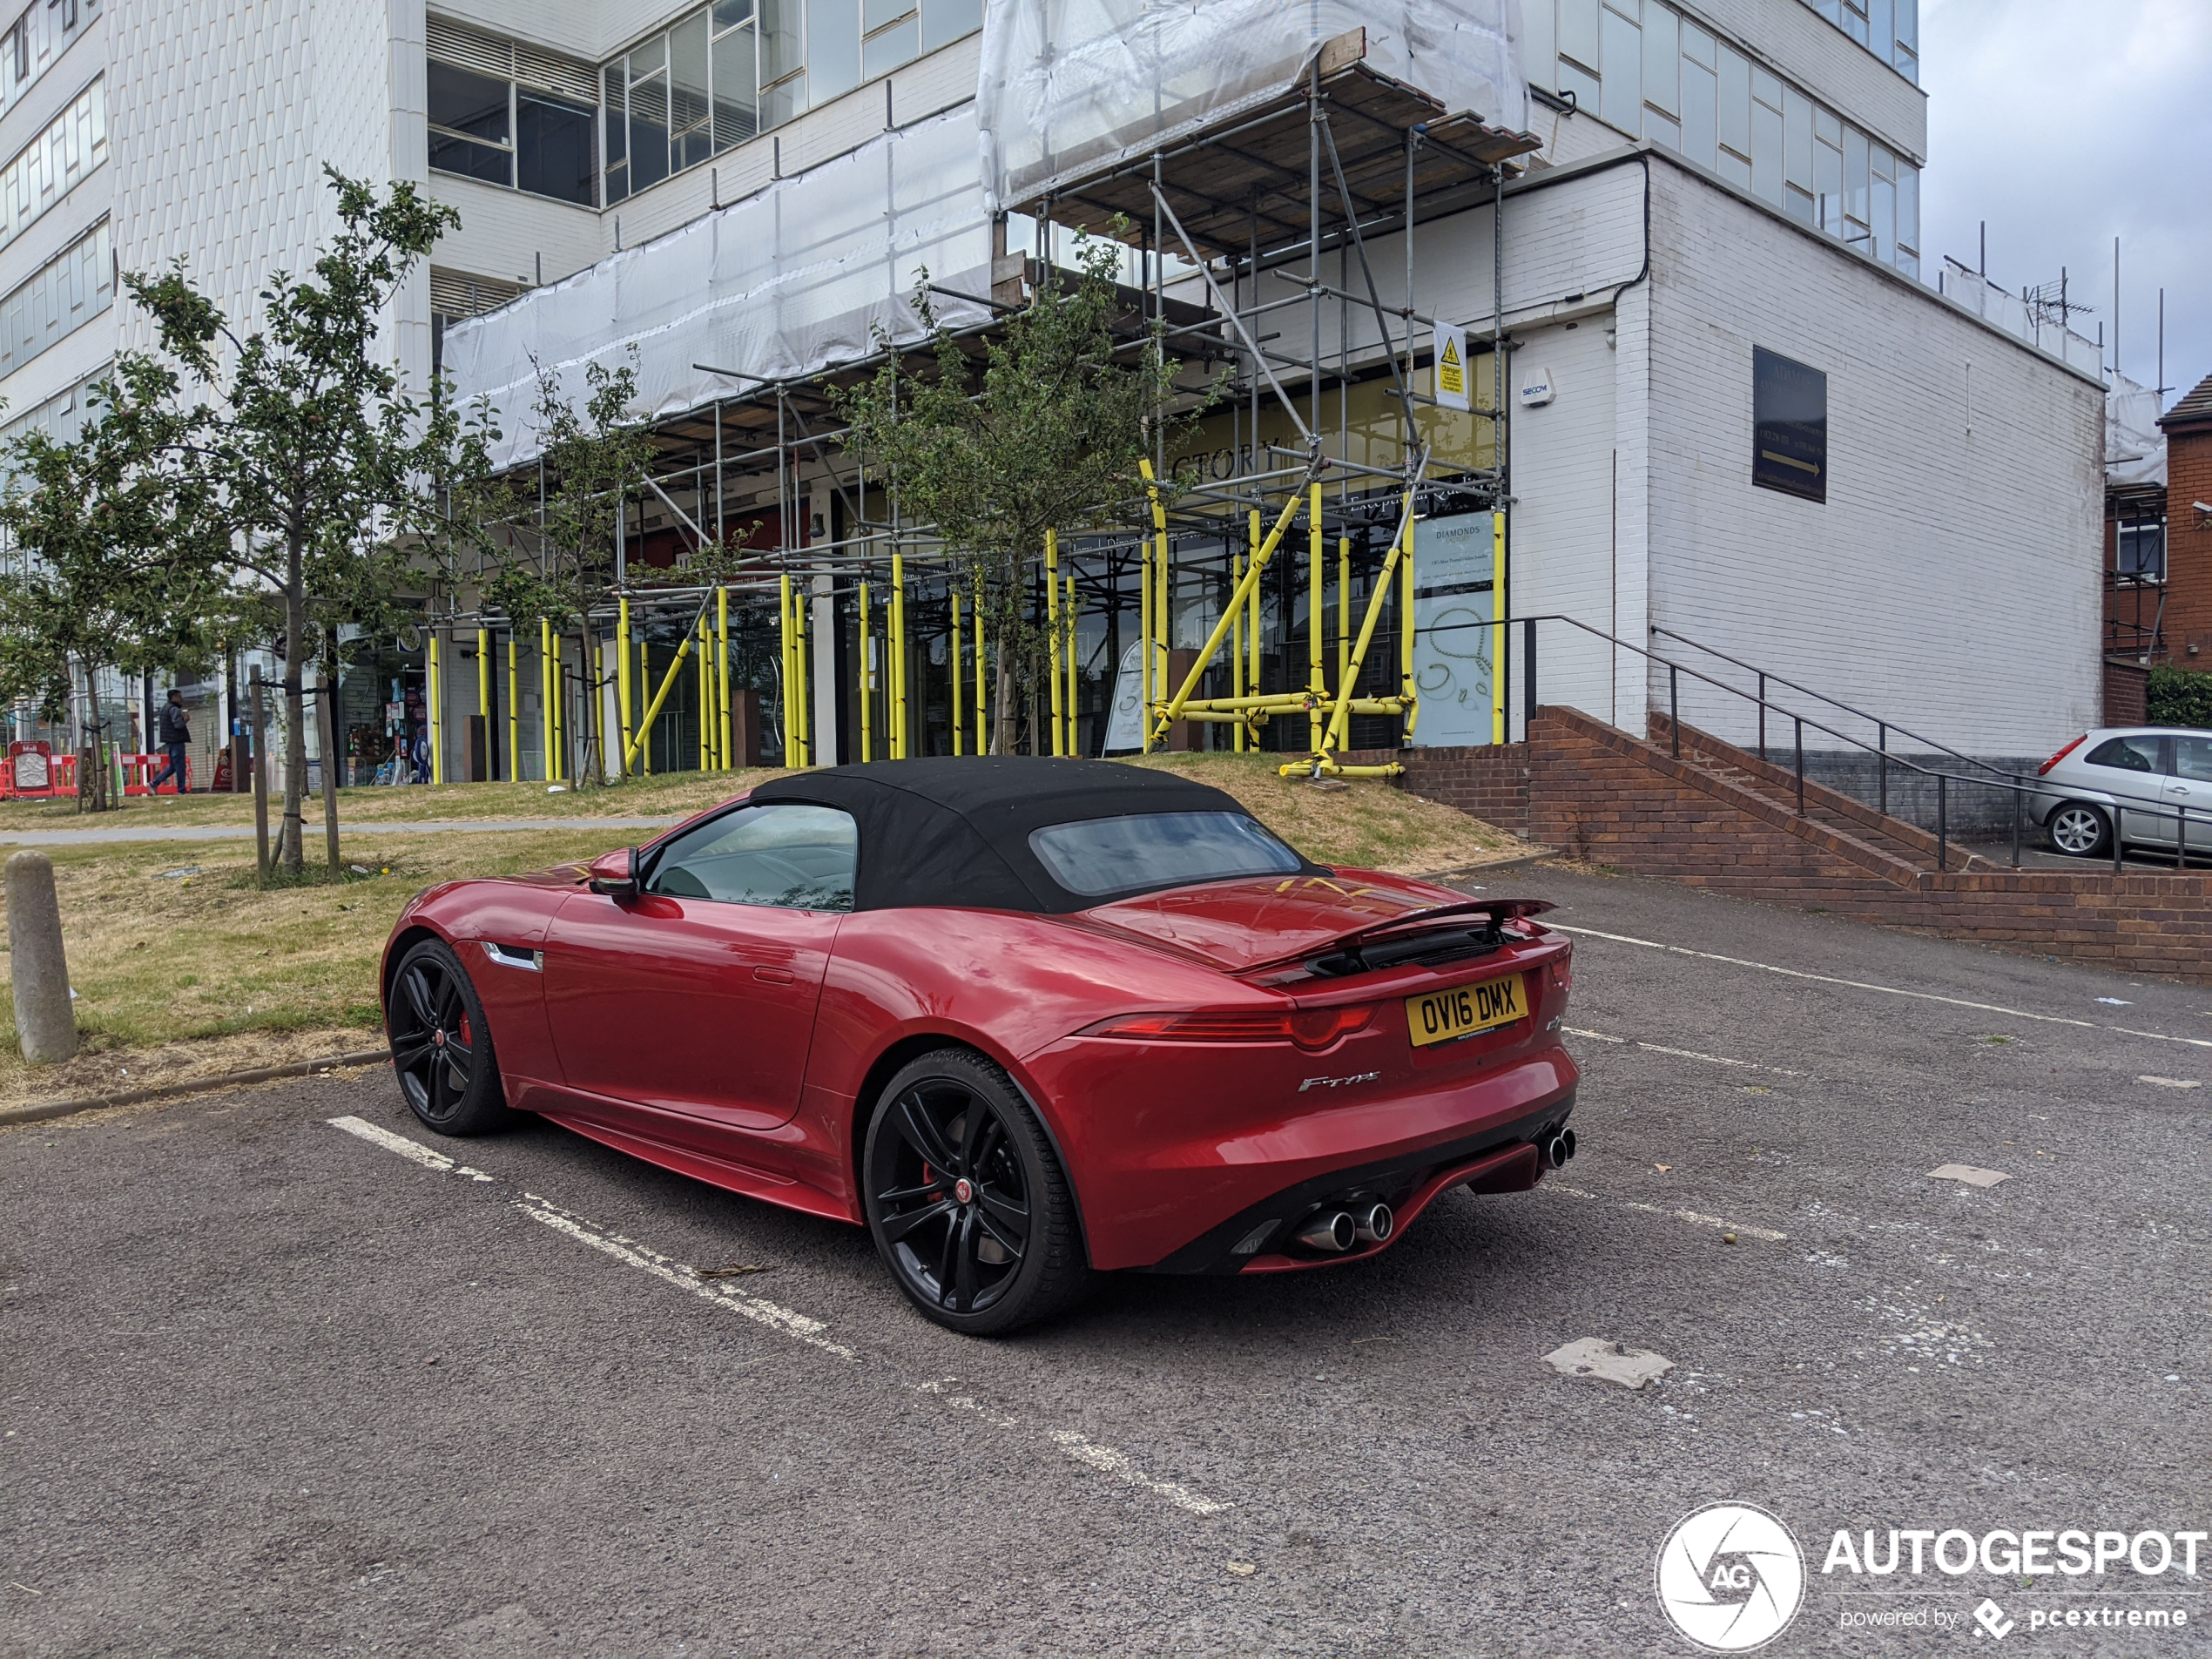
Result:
x=1789 y=426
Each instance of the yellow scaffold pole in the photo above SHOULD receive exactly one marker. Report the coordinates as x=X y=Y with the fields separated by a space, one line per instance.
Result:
x=621 y=680
x=1497 y=609
x=484 y=691
x=544 y=701
x=1252 y=620
x=1341 y=717
x=514 y=712
x=706 y=692
x=982 y=698
x=668 y=681
x=1236 y=644
x=959 y=673
x=784 y=646
x=1408 y=692
x=432 y=684
x=722 y=679
x=1173 y=711
x=1344 y=609
x=898 y=622
x=643 y=737
x=1144 y=690
x=867 y=686
x=800 y=669
x=1075 y=686
x=1052 y=642
x=1316 y=684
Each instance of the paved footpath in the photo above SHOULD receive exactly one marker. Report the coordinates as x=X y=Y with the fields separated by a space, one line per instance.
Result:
x=346 y=826
x=271 y=1383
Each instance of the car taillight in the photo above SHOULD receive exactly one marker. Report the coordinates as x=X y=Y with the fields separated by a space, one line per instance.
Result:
x=1307 y=1028
x=2062 y=754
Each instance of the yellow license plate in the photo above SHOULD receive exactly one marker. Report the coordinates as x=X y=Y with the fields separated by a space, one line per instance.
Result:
x=1439 y=1016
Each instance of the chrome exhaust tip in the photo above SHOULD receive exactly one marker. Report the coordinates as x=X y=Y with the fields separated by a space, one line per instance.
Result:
x=1373 y=1224
x=1333 y=1231
x=1566 y=1140
x=1555 y=1150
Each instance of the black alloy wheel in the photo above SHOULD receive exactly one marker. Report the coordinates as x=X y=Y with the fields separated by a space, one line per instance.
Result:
x=968 y=1204
x=441 y=1049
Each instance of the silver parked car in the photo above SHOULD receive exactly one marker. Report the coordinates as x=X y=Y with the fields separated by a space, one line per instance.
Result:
x=2150 y=781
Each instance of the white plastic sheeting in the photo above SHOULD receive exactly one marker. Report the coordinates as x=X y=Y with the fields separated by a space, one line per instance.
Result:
x=1068 y=85
x=796 y=279
x=2134 y=448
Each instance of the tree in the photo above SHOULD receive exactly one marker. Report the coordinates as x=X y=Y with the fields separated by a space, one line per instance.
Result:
x=1045 y=435
x=562 y=566
x=315 y=460
x=113 y=568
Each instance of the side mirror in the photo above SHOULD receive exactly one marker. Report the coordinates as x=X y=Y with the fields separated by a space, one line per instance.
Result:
x=614 y=874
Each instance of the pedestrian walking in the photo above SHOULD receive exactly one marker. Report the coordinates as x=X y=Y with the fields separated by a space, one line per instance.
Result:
x=175 y=728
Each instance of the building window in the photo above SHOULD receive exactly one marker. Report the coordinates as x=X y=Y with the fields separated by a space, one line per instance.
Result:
x=733 y=69
x=512 y=115
x=470 y=129
x=1657 y=76
x=35 y=41
x=62 y=295
x=2141 y=551
x=51 y=165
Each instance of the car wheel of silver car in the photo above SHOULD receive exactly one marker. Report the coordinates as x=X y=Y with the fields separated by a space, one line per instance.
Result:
x=2080 y=831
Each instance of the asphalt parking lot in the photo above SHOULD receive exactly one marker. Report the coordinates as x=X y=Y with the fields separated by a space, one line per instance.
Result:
x=276 y=1384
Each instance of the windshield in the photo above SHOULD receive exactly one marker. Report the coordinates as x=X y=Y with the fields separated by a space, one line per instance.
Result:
x=1109 y=855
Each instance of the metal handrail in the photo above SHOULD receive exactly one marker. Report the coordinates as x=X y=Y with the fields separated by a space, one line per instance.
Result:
x=1885 y=727
x=2016 y=786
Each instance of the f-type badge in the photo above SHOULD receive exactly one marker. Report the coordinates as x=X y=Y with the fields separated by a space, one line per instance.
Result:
x=1338 y=1083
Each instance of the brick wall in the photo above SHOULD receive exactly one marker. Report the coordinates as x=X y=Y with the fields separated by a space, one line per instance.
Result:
x=1490 y=782
x=2189 y=545
x=1598 y=794
x=2125 y=688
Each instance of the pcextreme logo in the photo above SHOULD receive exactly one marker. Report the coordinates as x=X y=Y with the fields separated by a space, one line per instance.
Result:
x=1730 y=1577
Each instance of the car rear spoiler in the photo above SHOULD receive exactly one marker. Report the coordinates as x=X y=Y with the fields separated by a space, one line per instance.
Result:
x=1493 y=911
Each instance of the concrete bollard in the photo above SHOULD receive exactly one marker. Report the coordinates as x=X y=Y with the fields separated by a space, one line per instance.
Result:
x=45 y=1023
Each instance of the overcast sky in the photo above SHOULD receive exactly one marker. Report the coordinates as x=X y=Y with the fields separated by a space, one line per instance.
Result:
x=2065 y=123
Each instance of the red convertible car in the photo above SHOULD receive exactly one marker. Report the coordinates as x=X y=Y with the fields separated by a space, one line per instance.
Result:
x=1025 y=1019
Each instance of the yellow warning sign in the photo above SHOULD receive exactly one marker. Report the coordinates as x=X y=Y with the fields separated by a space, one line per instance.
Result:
x=1451 y=369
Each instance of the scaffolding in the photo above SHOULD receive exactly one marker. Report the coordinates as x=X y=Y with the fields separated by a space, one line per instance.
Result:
x=1252 y=203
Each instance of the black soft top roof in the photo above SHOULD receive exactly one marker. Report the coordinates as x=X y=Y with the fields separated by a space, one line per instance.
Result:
x=953 y=830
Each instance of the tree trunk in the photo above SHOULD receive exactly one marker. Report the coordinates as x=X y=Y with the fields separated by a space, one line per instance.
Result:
x=296 y=736
x=1007 y=740
x=589 y=772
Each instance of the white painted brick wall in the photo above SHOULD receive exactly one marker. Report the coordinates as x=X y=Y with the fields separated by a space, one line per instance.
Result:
x=1562 y=526
x=1950 y=582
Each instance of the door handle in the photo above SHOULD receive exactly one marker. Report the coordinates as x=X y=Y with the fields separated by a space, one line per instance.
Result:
x=775 y=977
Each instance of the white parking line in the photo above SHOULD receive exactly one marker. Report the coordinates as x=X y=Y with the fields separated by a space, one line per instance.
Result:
x=1107 y=1460
x=1680 y=1054
x=1690 y=1216
x=719 y=1293
x=413 y=1151
x=1714 y=1222
x=1886 y=990
x=783 y=1321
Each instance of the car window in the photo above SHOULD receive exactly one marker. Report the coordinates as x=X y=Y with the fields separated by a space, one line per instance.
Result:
x=1150 y=850
x=793 y=856
x=2193 y=758
x=2127 y=755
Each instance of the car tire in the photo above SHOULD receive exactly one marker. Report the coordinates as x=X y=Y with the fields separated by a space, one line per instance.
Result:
x=2080 y=831
x=966 y=1199
x=440 y=1043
